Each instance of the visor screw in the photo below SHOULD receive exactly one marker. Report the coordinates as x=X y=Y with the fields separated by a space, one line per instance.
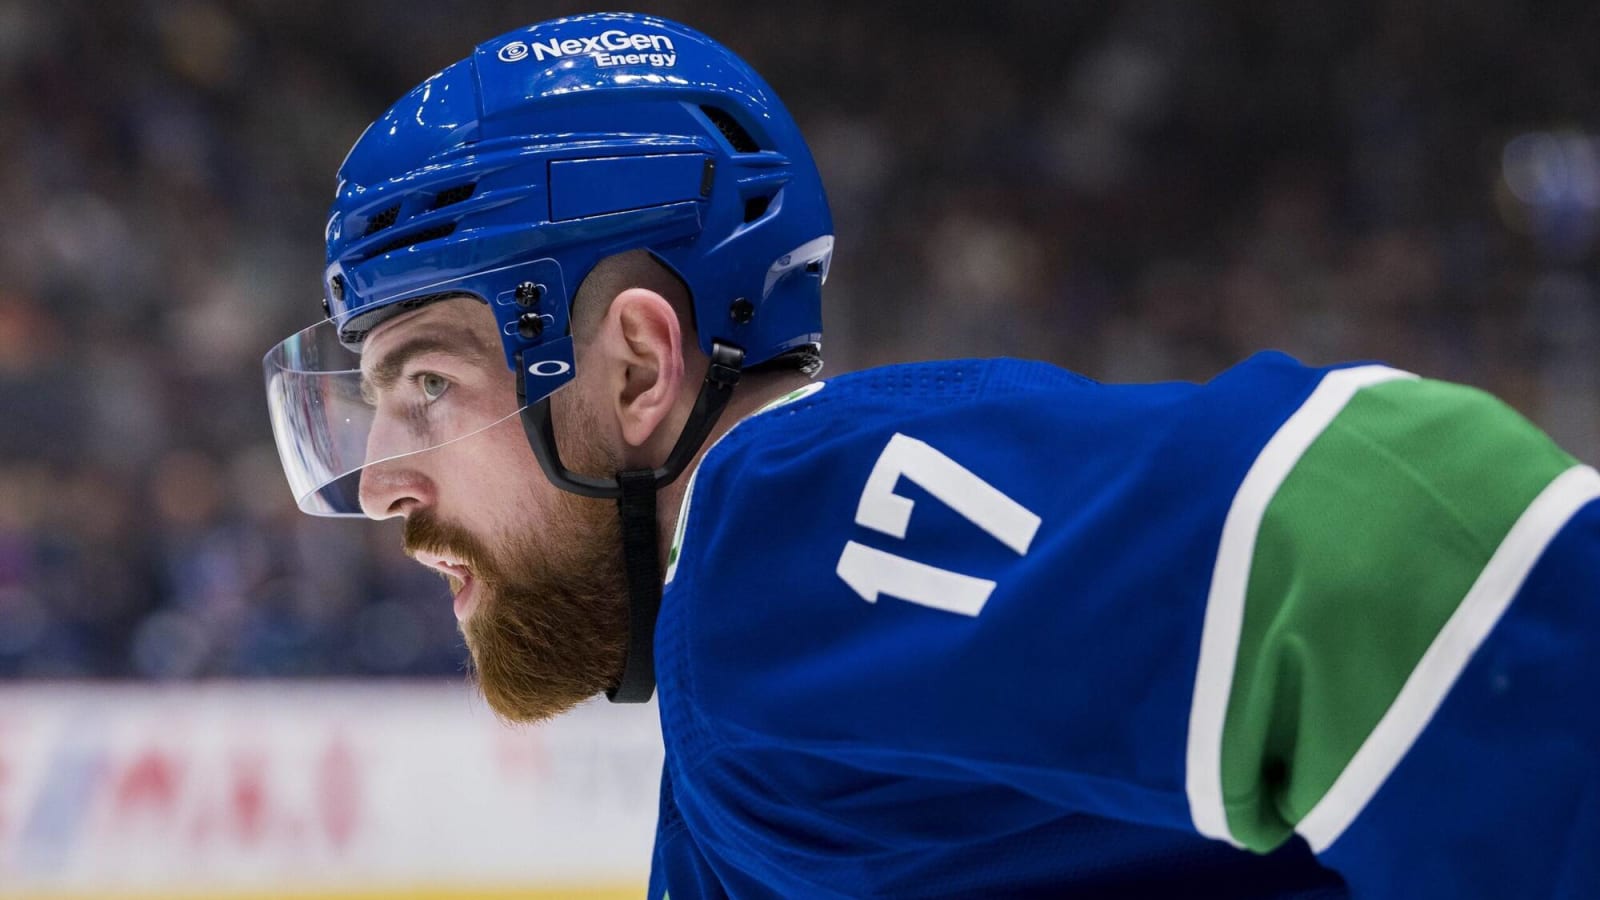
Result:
x=336 y=288
x=742 y=311
x=529 y=325
x=529 y=293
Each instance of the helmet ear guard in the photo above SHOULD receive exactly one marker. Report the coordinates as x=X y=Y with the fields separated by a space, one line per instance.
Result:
x=722 y=376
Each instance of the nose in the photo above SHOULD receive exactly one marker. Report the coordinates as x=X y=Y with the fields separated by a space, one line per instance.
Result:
x=394 y=488
x=392 y=484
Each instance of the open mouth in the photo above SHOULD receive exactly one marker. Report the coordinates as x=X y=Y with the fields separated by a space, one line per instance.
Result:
x=457 y=575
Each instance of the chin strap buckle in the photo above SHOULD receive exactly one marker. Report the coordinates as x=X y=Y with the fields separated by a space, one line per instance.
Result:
x=724 y=370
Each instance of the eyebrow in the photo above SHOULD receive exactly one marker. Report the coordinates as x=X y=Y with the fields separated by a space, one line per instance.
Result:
x=456 y=342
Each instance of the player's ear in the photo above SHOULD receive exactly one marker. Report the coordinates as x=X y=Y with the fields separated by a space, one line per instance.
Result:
x=644 y=356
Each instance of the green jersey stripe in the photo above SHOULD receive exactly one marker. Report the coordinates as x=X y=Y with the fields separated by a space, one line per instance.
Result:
x=676 y=549
x=1219 y=639
x=1362 y=556
x=1449 y=653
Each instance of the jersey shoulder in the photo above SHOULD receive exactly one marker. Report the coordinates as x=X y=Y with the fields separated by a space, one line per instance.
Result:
x=1029 y=428
x=954 y=467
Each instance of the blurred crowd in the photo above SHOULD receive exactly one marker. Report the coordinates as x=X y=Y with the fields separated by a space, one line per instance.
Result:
x=1137 y=191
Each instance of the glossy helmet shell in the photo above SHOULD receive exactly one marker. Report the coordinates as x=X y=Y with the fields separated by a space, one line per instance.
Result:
x=511 y=173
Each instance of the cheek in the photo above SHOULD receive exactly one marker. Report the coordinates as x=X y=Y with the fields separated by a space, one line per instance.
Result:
x=501 y=480
x=492 y=484
x=583 y=437
x=470 y=480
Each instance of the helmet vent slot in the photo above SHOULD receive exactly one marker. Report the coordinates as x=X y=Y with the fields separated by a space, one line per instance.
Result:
x=382 y=220
x=731 y=129
x=453 y=195
x=755 y=208
x=416 y=237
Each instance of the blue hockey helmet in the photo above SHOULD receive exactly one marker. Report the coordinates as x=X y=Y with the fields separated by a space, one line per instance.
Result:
x=508 y=175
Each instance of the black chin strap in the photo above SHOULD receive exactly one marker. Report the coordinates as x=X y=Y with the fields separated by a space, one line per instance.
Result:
x=635 y=493
x=637 y=508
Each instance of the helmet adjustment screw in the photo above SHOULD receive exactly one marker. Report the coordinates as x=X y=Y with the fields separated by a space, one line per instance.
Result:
x=530 y=325
x=529 y=293
x=742 y=311
x=336 y=288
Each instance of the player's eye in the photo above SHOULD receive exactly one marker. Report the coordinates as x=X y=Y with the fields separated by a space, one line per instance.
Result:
x=432 y=384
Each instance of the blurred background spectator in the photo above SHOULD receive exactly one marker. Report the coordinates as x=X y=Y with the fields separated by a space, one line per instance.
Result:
x=1139 y=190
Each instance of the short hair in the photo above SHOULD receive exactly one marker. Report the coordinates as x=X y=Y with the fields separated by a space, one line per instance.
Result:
x=617 y=273
x=641 y=269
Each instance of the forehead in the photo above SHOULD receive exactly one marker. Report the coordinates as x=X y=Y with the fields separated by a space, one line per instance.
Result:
x=463 y=325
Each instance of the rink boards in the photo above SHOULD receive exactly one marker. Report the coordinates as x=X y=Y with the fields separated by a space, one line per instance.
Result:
x=356 y=791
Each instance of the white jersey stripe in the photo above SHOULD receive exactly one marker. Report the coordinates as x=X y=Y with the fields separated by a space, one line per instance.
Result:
x=1219 y=639
x=1449 y=653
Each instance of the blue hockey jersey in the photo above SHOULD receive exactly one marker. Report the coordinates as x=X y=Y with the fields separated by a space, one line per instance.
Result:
x=991 y=629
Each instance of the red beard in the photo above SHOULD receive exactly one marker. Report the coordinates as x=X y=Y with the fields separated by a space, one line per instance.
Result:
x=550 y=628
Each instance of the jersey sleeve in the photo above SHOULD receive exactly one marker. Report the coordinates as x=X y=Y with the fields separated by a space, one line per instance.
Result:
x=1368 y=621
x=1408 y=569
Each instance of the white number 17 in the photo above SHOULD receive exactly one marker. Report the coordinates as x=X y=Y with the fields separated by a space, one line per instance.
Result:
x=871 y=572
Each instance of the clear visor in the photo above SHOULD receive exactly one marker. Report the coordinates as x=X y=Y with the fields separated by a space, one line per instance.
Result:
x=332 y=420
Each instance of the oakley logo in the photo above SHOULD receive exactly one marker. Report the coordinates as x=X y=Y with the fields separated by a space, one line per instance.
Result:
x=550 y=368
x=609 y=48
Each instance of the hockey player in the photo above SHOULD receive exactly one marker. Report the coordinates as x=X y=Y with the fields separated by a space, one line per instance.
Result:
x=976 y=628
